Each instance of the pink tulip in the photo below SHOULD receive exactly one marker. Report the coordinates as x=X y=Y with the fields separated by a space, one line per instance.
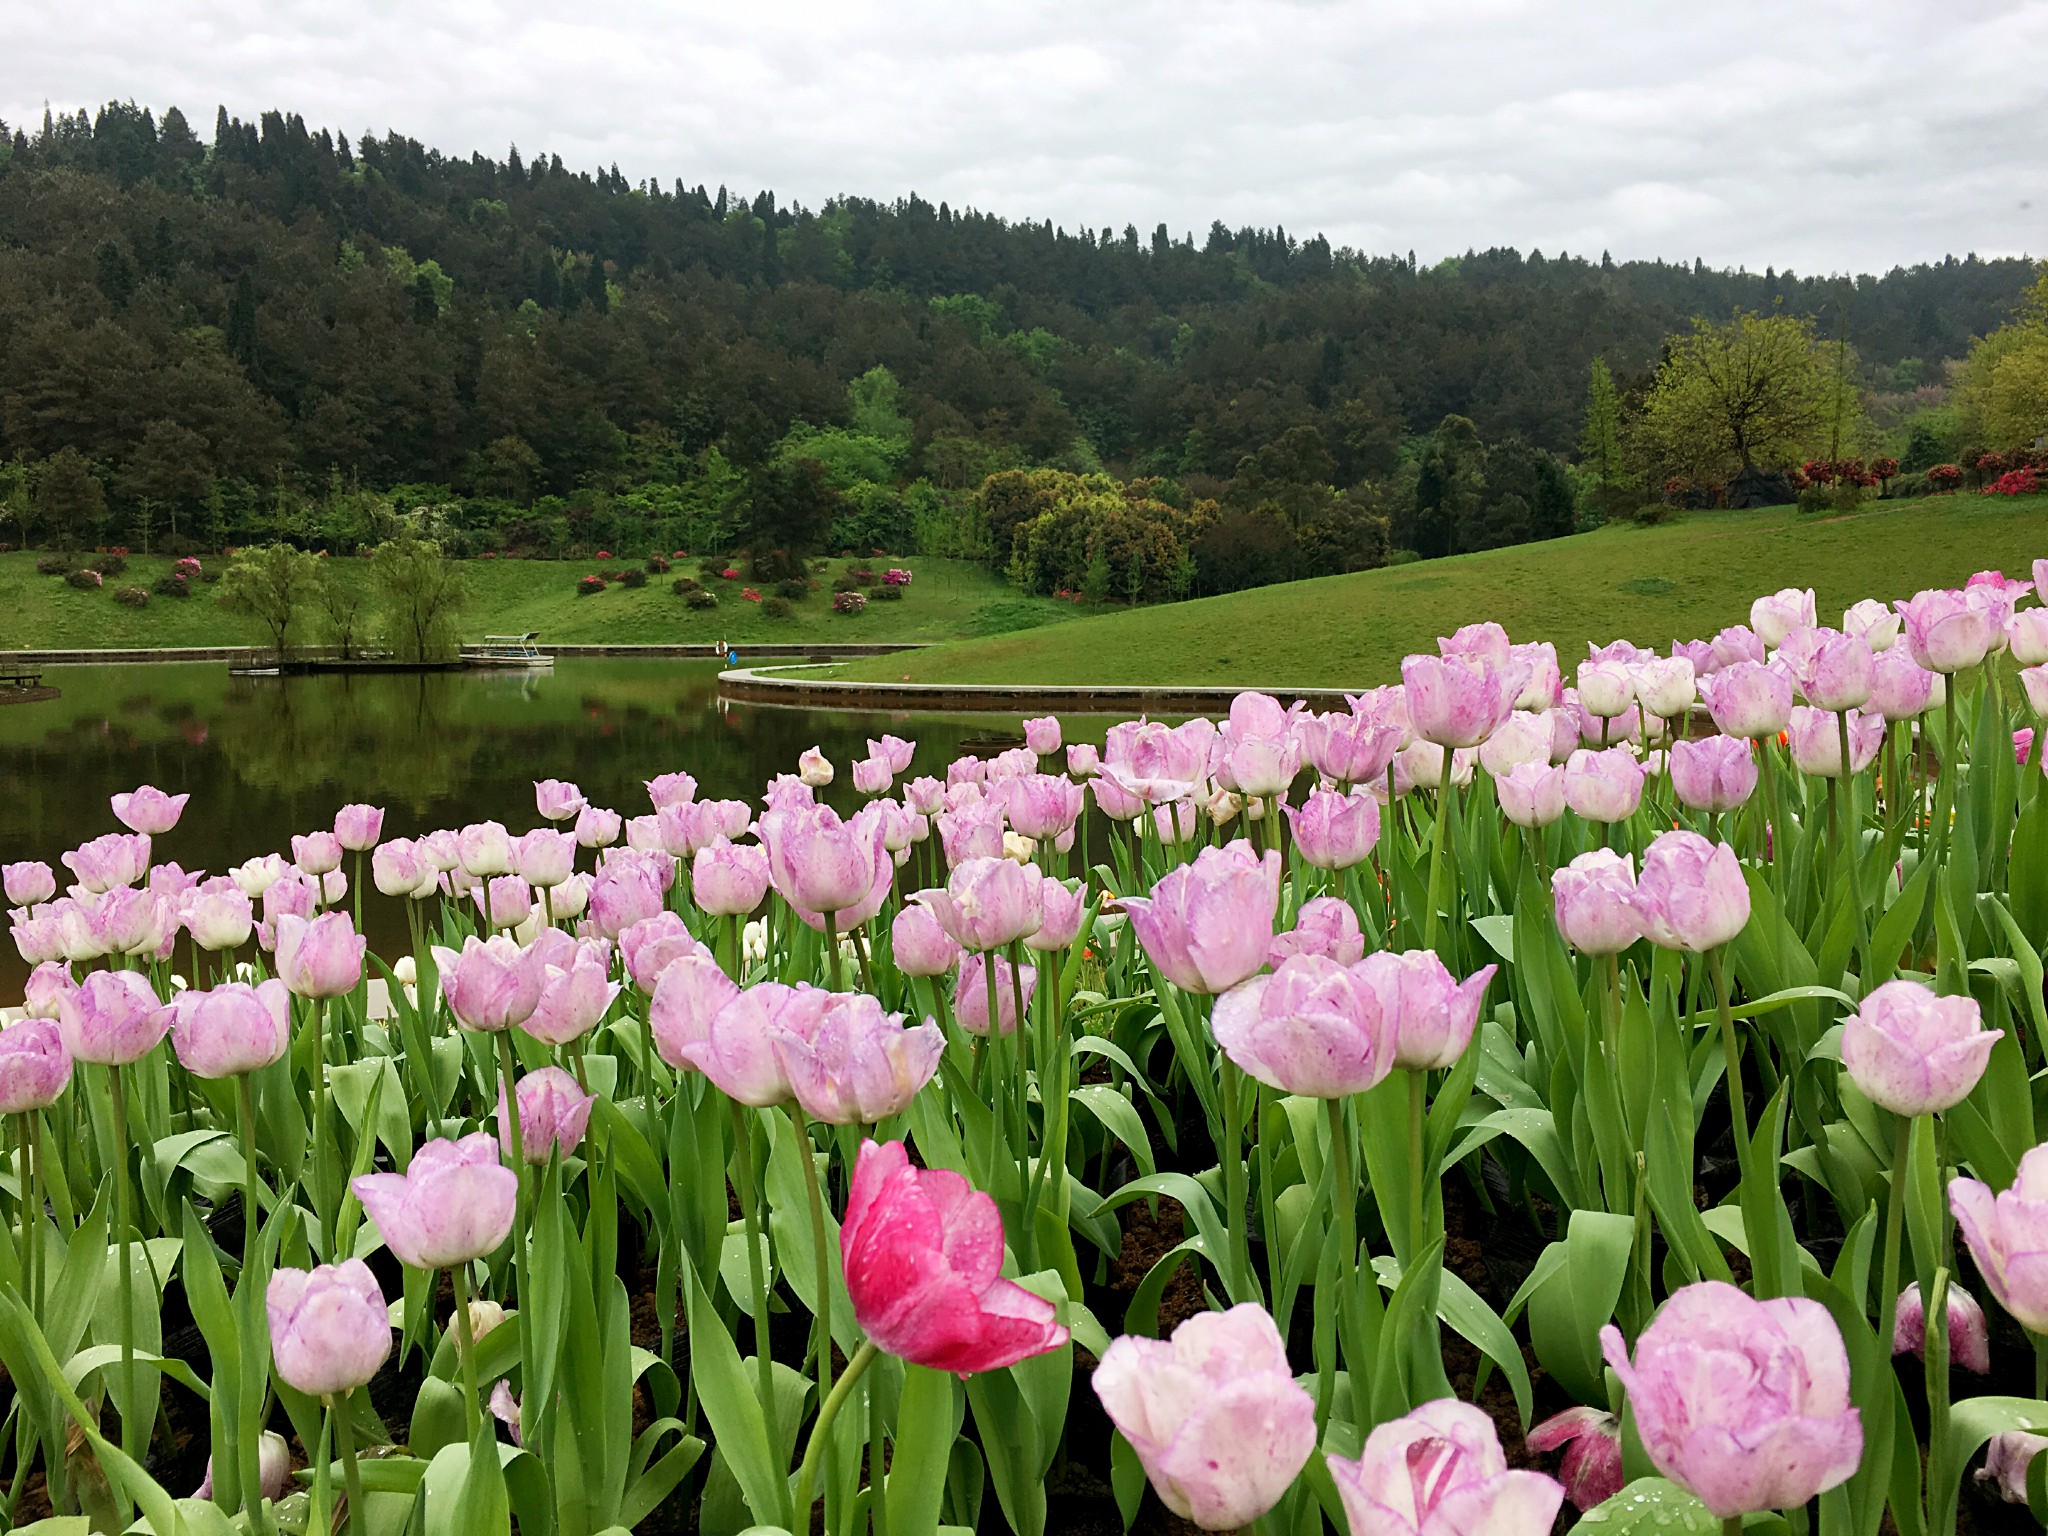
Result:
x=1816 y=741
x=597 y=827
x=1748 y=699
x=818 y=862
x=967 y=769
x=1717 y=773
x=1665 y=686
x=1944 y=631
x=650 y=946
x=1485 y=641
x=1175 y=824
x=1522 y=738
x=273 y=1469
x=872 y=825
x=1744 y=1403
x=671 y=789
x=1900 y=688
x=1064 y=907
x=1776 y=616
x=1969 y=1338
x=1913 y=1052
x=1215 y=1415
x=1440 y=1471
x=329 y=1329
x=1531 y=794
x=544 y=857
x=130 y=921
x=919 y=942
x=989 y=903
x=483 y=849
x=113 y=1018
x=1113 y=800
x=35 y=1068
x=220 y=918
x=813 y=768
x=1155 y=763
x=557 y=799
x=1604 y=786
x=1041 y=805
x=575 y=997
x=503 y=901
x=491 y=984
x=729 y=879
x=686 y=1000
x=1591 y=1439
x=1738 y=643
x=553 y=1113
x=1872 y=622
x=738 y=1051
x=1333 y=831
x=1691 y=894
x=321 y=958
x=894 y=751
x=1311 y=1027
x=922 y=1252
x=1324 y=926
x=1592 y=897
x=1606 y=688
x=925 y=796
x=971 y=832
x=37 y=938
x=1260 y=754
x=47 y=986
x=231 y=1029
x=357 y=827
x=454 y=1203
x=114 y=859
x=2007 y=1235
x=29 y=883
x=149 y=810
x=858 y=1065
x=400 y=867
x=871 y=776
x=1700 y=653
x=1833 y=670
x=970 y=994
x=1430 y=1012
x=1349 y=748
x=315 y=853
x=1042 y=735
x=1455 y=701
x=1207 y=923
x=1012 y=764
x=2006 y=1461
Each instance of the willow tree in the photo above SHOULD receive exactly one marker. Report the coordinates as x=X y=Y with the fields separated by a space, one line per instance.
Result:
x=419 y=593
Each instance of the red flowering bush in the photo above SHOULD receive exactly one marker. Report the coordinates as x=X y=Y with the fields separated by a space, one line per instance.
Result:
x=731 y=573
x=1945 y=477
x=750 y=594
x=188 y=568
x=849 y=603
x=2014 y=482
x=896 y=576
x=590 y=586
x=1675 y=487
x=1884 y=469
x=604 y=554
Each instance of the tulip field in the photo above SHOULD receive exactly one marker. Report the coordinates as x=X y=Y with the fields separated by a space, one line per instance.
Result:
x=1548 y=1091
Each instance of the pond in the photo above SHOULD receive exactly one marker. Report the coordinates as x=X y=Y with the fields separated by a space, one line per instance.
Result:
x=266 y=757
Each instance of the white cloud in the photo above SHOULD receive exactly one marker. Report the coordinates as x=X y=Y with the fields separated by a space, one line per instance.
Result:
x=1818 y=136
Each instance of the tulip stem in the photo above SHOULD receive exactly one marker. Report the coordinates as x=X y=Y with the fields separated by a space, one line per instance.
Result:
x=323 y=1145
x=1894 y=1220
x=131 y=1420
x=750 y=1199
x=465 y=1345
x=823 y=1260
x=352 y=1477
x=1436 y=852
x=31 y=1215
x=807 y=1470
x=834 y=968
x=252 y=1218
x=1731 y=1050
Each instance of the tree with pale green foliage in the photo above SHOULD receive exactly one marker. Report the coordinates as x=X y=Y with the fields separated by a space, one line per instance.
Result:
x=1760 y=392
x=1600 y=444
x=2002 y=387
x=419 y=593
x=276 y=585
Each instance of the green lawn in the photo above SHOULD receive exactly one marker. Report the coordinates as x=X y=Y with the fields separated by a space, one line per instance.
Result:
x=1683 y=580
x=947 y=600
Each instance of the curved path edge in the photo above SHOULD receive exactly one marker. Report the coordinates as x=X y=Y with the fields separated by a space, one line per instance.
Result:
x=756 y=685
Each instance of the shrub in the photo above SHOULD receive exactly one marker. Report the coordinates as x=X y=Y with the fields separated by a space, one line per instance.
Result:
x=612 y=573
x=683 y=586
x=1650 y=514
x=793 y=589
x=604 y=554
x=729 y=573
x=849 y=603
x=702 y=599
x=1403 y=556
x=751 y=594
x=112 y=563
x=861 y=575
x=54 y=565
x=896 y=576
x=658 y=565
x=86 y=580
x=209 y=575
x=847 y=582
x=2014 y=482
x=634 y=577
x=132 y=597
x=589 y=586
x=1944 y=477
x=777 y=607
x=1814 y=497
x=885 y=593
x=188 y=567
x=172 y=585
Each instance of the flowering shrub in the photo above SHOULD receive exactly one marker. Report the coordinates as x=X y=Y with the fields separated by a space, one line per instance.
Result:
x=112 y=563
x=730 y=573
x=848 y=602
x=633 y=576
x=2014 y=482
x=1885 y=469
x=489 y=554
x=896 y=576
x=132 y=597
x=188 y=567
x=750 y=594
x=698 y=597
x=1945 y=477
x=658 y=565
x=590 y=586
x=87 y=580
x=604 y=554
x=172 y=584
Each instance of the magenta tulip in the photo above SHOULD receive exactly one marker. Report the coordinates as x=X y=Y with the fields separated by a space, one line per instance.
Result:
x=231 y=1029
x=1945 y=631
x=1215 y=1415
x=1333 y=831
x=454 y=1203
x=1207 y=923
x=1531 y=794
x=115 y=859
x=35 y=1067
x=1744 y=1403
x=1312 y=1027
x=1603 y=786
x=858 y=1065
x=1816 y=741
x=1430 y=1012
x=1969 y=1338
x=1691 y=894
x=970 y=994
x=1324 y=926
x=113 y=1018
x=1591 y=1440
x=1592 y=897
x=922 y=1252
x=1913 y=1052
x=1715 y=774
x=2008 y=1237
x=1440 y=1471
x=491 y=984
x=329 y=1329
x=686 y=999
x=553 y=1113
x=29 y=883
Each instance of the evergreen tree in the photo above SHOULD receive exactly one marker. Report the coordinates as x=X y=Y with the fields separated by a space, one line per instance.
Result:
x=241 y=326
x=1600 y=446
x=70 y=503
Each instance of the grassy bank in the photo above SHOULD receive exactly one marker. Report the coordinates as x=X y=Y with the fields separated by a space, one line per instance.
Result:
x=949 y=599
x=1684 y=579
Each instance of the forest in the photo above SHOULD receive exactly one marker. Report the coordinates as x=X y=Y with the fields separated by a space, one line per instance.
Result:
x=277 y=331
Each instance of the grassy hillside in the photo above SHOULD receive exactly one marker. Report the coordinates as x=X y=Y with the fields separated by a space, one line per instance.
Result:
x=948 y=599
x=1687 y=578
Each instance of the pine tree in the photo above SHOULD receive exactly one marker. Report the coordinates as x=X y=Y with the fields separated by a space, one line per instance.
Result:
x=593 y=285
x=241 y=326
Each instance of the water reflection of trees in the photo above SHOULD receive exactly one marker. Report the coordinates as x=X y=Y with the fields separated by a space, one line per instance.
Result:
x=393 y=739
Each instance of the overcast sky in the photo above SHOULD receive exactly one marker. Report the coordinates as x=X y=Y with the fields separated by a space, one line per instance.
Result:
x=1804 y=133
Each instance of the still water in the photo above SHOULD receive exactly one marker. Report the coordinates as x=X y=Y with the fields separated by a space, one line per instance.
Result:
x=266 y=757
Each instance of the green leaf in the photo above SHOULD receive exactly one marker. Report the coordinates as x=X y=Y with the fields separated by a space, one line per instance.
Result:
x=1652 y=1505
x=732 y=1410
x=1126 y=1476
x=927 y=1422
x=1567 y=1312
x=1119 y=1118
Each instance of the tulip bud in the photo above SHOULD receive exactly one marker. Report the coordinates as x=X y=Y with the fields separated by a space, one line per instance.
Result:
x=1531 y=794
x=35 y=1067
x=29 y=883
x=329 y=1329
x=557 y=799
x=1324 y=926
x=1333 y=831
x=544 y=857
x=357 y=827
x=1206 y=924
x=596 y=827
x=1969 y=1339
x=1913 y=1052
x=231 y=1029
x=1776 y=616
x=813 y=768
x=490 y=984
x=453 y=1203
x=321 y=958
x=1042 y=735
x=671 y=789
x=1064 y=908
x=970 y=993
x=315 y=853
x=1945 y=632
x=1592 y=1453
x=1592 y=897
x=553 y=1113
